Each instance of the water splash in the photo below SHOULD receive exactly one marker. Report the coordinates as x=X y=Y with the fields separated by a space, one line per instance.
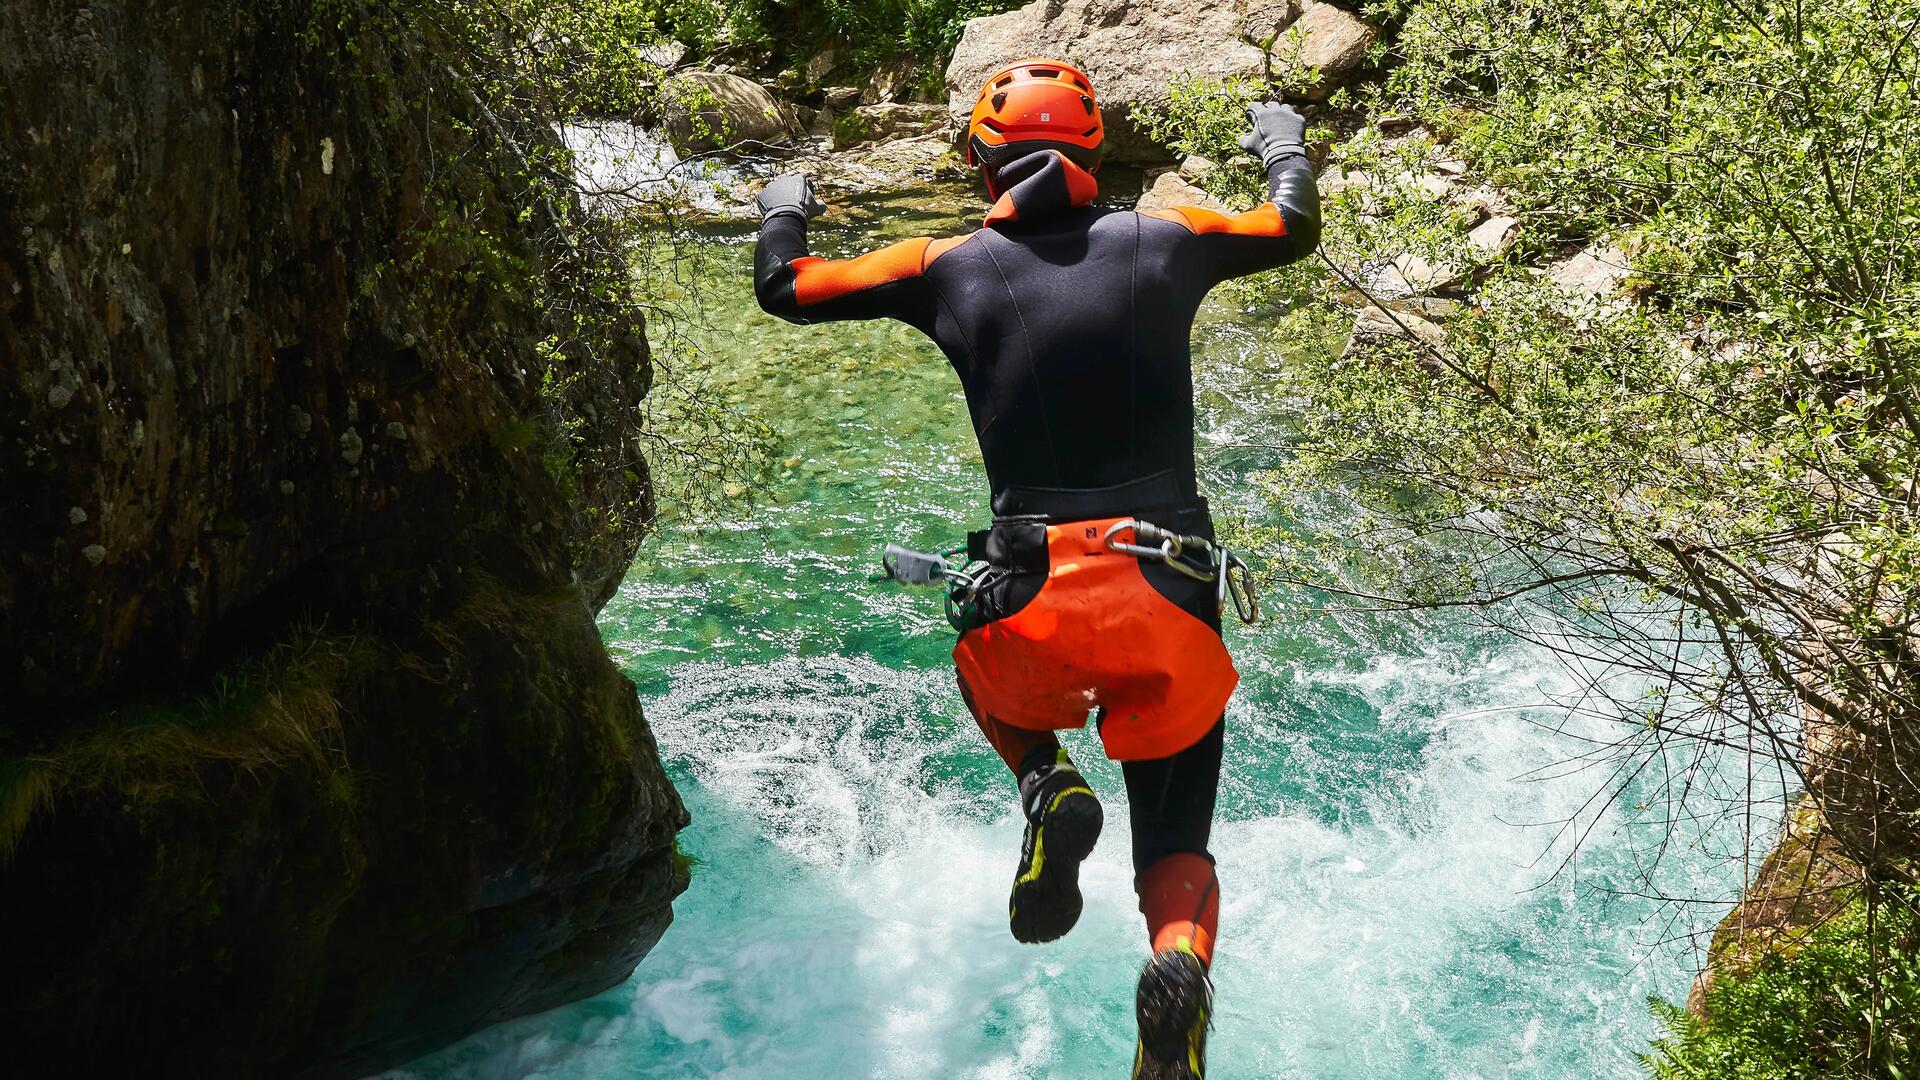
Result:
x=620 y=166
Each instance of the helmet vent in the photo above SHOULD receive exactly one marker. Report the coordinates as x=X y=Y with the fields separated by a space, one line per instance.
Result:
x=1090 y=133
x=1088 y=102
x=999 y=101
x=1082 y=84
x=992 y=125
x=1044 y=73
x=1006 y=80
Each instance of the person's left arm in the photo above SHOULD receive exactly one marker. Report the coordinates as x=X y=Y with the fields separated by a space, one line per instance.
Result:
x=801 y=287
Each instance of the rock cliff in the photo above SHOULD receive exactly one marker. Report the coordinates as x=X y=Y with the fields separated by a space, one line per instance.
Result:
x=319 y=457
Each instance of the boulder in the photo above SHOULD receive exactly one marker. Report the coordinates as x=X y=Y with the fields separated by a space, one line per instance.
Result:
x=1374 y=326
x=666 y=54
x=1132 y=51
x=1173 y=189
x=1412 y=275
x=1196 y=167
x=841 y=98
x=881 y=123
x=707 y=110
x=822 y=64
x=1494 y=237
x=1596 y=273
x=1331 y=40
x=893 y=82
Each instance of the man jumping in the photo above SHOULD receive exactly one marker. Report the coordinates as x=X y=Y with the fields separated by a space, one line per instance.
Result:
x=1068 y=325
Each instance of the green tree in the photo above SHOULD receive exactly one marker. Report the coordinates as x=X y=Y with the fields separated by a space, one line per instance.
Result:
x=1700 y=487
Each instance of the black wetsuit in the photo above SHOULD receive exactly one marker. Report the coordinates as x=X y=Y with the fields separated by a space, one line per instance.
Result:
x=1068 y=325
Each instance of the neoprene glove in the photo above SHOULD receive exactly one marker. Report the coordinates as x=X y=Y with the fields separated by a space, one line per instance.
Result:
x=788 y=194
x=1278 y=132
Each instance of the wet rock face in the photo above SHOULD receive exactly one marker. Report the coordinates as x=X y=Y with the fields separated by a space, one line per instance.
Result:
x=212 y=285
x=311 y=755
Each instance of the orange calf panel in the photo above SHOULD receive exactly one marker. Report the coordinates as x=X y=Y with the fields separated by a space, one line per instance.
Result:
x=1261 y=221
x=1180 y=897
x=1098 y=636
x=816 y=279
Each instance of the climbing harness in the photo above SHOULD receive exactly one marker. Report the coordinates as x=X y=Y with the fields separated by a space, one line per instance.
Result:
x=1226 y=570
x=1195 y=556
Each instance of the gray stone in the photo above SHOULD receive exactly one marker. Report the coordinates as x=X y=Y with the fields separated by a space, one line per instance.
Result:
x=1197 y=168
x=94 y=554
x=1329 y=39
x=821 y=64
x=885 y=122
x=893 y=82
x=1373 y=327
x=1494 y=237
x=1131 y=50
x=666 y=54
x=840 y=98
x=1596 y=273
x=1411 y=275
x=59 y=394
x=77 y=516
x=350 y=447
x=1171 y=190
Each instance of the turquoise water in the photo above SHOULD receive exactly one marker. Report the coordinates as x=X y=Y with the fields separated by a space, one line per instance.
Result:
x=1386 y=836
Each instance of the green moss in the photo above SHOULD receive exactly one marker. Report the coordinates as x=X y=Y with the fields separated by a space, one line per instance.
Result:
x=517 y=435
x=272 y=708
x=1839 y=1003
x=849 y=130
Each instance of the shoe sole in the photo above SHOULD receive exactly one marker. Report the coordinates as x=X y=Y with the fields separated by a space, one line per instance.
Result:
x=1046 y=898
x=1171 y=1002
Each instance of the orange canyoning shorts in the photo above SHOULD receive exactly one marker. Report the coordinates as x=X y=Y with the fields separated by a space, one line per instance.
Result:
x=1076 y=627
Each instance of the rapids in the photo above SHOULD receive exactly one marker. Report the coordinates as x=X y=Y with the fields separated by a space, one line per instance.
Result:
x=1392 y=909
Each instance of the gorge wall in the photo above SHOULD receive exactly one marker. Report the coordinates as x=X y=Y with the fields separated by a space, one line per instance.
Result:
x=319 y=456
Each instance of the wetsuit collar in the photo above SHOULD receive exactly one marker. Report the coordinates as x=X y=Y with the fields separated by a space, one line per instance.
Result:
x=1040 y=185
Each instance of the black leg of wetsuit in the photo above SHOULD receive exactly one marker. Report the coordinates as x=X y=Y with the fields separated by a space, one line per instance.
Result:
x=1171 y=800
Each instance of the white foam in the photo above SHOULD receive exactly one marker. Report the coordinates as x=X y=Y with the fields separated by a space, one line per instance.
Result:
x=619 y=166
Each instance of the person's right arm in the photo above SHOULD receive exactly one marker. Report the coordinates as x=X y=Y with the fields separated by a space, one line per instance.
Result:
x=803 y=288
x=1284 y=229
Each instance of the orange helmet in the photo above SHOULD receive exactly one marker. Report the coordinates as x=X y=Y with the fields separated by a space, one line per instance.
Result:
x=1034 y=105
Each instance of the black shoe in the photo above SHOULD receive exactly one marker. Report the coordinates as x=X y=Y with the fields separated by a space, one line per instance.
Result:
x=1063 y=821
x=1174 y=1005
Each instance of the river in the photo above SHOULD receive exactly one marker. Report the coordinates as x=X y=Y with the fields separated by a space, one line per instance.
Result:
x=1394 y=907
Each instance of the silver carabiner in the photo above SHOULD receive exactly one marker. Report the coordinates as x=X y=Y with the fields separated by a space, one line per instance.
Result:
x=1172 y=547
x=1246 y=602
x=1142 y=531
